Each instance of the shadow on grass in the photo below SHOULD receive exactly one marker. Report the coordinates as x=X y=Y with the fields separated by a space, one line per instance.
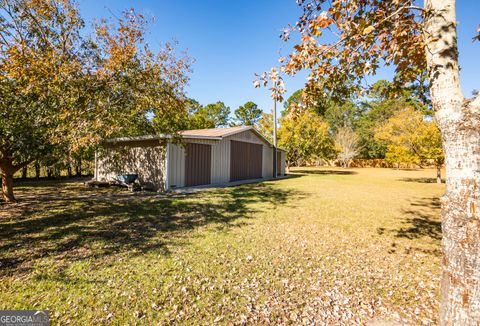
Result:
x=421 y=180
x=422 y=220
x=324 y=172
x=44 y=181
x=69 y=222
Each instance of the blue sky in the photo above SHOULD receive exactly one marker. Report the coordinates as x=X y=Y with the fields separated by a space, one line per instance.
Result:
x=232 y=40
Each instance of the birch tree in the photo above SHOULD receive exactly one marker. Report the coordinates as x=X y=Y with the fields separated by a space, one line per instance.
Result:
x=421 y=42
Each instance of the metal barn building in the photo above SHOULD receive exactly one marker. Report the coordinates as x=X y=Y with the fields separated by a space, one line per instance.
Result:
x=202 y=157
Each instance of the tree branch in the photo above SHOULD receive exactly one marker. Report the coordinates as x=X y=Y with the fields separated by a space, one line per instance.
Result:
x=475 y=103
x=17 y=167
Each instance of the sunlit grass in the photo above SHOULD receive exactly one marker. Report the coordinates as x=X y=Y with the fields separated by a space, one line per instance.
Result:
x=326 y=245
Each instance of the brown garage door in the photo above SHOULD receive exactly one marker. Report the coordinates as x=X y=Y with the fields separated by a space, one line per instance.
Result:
x=245 y=161
x=197 y=164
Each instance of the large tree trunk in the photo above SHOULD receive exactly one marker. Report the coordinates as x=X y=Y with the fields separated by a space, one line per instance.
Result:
x=7 y=187
x=459 y=121
x=460 y=288
x=69 y=168
x=37 y=170
x=78 y=168
x=49 y=170
x=7 y=170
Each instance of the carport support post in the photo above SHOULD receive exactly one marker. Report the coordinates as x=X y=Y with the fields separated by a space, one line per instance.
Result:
x=274 y=138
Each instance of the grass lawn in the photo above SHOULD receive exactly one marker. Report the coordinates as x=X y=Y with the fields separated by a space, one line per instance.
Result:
x=325 y=246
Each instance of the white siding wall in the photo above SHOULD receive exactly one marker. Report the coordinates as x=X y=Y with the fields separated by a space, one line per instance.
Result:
x=267 y=161
x=282 y=168
x=176 y=166
x=247 y=136
x=221 y=161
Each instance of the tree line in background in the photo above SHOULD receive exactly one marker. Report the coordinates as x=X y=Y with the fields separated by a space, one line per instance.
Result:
x=216 y=115
x=381 y=125
x=397 y=129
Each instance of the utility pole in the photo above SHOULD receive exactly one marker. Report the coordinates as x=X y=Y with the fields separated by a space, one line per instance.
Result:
x=275 y=138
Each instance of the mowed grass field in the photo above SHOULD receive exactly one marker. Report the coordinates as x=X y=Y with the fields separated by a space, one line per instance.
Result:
x=326 y=246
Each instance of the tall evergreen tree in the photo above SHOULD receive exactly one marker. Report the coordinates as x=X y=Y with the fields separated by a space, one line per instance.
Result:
x=248 y=114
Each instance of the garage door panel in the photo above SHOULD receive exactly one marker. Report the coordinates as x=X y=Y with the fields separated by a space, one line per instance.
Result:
x=245 y=160
x=198 y=162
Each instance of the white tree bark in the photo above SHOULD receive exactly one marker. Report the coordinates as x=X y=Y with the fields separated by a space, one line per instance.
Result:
x=459 y=122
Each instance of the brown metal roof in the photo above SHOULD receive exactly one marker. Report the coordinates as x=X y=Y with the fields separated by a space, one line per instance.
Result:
x=214 y=132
